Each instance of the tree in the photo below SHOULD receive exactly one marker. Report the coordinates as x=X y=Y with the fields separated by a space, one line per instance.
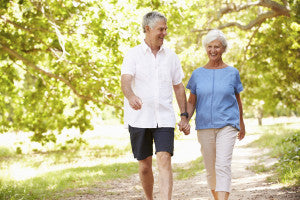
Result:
x=273 y=66
x=59 y=61
x=261 y=33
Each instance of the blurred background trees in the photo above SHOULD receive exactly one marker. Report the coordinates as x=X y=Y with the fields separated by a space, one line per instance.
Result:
x=60 y=60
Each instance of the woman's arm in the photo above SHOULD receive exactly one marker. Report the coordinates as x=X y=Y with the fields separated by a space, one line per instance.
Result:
x=191 y=105
x=242 y=132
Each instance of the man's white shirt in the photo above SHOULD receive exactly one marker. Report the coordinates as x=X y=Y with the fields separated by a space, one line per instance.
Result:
x=153 y=80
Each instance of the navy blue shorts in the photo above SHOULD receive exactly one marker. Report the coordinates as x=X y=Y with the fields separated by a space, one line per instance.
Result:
x=142 y=141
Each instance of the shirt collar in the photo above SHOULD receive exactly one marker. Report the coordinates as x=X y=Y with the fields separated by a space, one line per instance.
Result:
x=145 y=47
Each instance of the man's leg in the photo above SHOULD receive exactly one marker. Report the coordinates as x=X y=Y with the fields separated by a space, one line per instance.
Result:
x=146 y=176
x=164 y=145
x=142 y=148
x=165 y=176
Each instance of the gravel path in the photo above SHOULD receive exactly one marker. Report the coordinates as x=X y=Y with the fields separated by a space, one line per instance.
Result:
x=246 y=185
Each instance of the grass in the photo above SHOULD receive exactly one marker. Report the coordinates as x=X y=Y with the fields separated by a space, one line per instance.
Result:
x=284 y=144
x=49 y=185
x=189 y=170
x=258 y=168
x=54 y=173
x=29 y=171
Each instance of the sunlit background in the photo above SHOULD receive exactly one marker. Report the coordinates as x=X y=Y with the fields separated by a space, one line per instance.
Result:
x=61 y=105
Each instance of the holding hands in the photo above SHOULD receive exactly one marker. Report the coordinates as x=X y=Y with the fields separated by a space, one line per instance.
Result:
x=184 y=125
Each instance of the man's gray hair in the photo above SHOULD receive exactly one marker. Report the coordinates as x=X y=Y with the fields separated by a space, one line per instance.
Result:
x=151 y=18
x=215 y=34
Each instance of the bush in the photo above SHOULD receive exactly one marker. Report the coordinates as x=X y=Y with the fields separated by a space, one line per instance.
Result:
x=5 y=152
x=285 y=146
x=288 y=167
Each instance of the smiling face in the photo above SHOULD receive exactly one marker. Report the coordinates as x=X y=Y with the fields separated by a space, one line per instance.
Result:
x=155 y=36
x=214 y=50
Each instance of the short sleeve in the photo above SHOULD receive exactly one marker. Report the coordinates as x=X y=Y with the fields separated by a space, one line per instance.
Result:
x=238 y=87
x=177 y=74
x=192 y=84
x=128 y=66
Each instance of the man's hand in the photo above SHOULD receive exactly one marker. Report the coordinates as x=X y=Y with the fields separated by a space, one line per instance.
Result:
x=184 y=126
x=135 y=102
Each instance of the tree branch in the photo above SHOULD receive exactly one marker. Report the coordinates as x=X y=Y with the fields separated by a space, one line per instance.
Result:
x=247 y=46
x=260 y=19
x=235 y=8
x=59 y=35
x=250 y=40
x=53 y=50
x=276 y=7
x=284 y=2
x=14 y=54
x=276 y=10
x=22 y=27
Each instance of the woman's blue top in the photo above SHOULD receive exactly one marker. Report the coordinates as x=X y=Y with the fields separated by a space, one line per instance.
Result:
x=216 y=105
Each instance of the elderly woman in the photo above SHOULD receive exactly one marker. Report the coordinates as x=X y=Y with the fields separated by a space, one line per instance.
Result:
x=214 y=93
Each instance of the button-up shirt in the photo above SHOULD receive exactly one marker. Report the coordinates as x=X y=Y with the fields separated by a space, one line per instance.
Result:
x=216 y=105
x=153 y=80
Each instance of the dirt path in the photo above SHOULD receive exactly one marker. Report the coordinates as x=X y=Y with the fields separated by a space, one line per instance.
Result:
x=246 y=185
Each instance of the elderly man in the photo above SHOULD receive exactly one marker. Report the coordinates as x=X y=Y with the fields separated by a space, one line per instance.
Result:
x=149 y=71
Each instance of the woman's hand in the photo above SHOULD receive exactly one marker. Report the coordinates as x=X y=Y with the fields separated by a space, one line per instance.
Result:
x=242 y=132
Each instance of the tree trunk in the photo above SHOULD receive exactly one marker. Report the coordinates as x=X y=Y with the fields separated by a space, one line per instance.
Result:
x=259 y=121
x=260 y=114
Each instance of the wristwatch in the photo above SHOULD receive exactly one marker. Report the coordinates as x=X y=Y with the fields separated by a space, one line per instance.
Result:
x=185 y=114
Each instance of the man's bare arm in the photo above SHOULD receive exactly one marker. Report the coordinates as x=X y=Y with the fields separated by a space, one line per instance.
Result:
x=134 y=101
x=181 y=100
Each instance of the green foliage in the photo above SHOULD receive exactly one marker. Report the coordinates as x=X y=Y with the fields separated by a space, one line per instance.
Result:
x=285 y=147
x=189 y=170
x=60 y=60
x=18 y=150
x=109 y=151
x=5 y=152
x=288 y=168
x=272 y=74
x=266 y=54
x=258 y=168
x=52 y=173
x=47 y=186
